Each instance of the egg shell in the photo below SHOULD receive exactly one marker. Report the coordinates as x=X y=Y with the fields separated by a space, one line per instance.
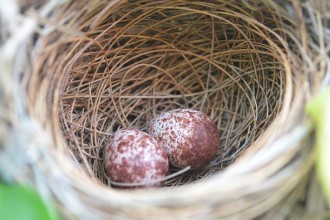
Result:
x=133 y=156
x=189 y=137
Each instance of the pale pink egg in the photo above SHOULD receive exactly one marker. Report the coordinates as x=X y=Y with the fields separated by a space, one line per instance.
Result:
x=133 y=156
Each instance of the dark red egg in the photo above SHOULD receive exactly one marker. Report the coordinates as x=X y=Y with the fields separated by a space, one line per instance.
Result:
x=189 y=137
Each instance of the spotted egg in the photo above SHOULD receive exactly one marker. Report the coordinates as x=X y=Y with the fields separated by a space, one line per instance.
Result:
x=134 y=157
x=189 y=137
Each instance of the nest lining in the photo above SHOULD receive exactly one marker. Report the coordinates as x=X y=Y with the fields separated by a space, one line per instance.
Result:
x=120 y=67
x=145 y=59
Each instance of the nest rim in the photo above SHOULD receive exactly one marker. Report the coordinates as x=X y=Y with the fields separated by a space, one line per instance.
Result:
x=286 y=64
x=201 y=191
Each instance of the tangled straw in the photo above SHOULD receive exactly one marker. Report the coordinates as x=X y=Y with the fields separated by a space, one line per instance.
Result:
x=150 y=57
x=95 y=66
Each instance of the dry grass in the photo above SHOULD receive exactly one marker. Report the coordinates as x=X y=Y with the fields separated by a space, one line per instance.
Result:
x=251 y=66
x=145 y=59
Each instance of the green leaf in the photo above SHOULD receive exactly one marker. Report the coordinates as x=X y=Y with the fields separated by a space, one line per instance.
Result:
x=319 y=110
x=21 y=203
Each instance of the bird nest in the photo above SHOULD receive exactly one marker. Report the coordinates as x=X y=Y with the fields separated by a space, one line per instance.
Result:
x=148 y=58
x=94 y=67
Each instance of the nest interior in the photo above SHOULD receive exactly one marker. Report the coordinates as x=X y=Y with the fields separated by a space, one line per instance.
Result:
x=142 y=58
x=75 y=71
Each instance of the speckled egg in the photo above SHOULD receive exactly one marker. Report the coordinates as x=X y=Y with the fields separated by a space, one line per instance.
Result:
x=133 y=156
x=189 y=137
